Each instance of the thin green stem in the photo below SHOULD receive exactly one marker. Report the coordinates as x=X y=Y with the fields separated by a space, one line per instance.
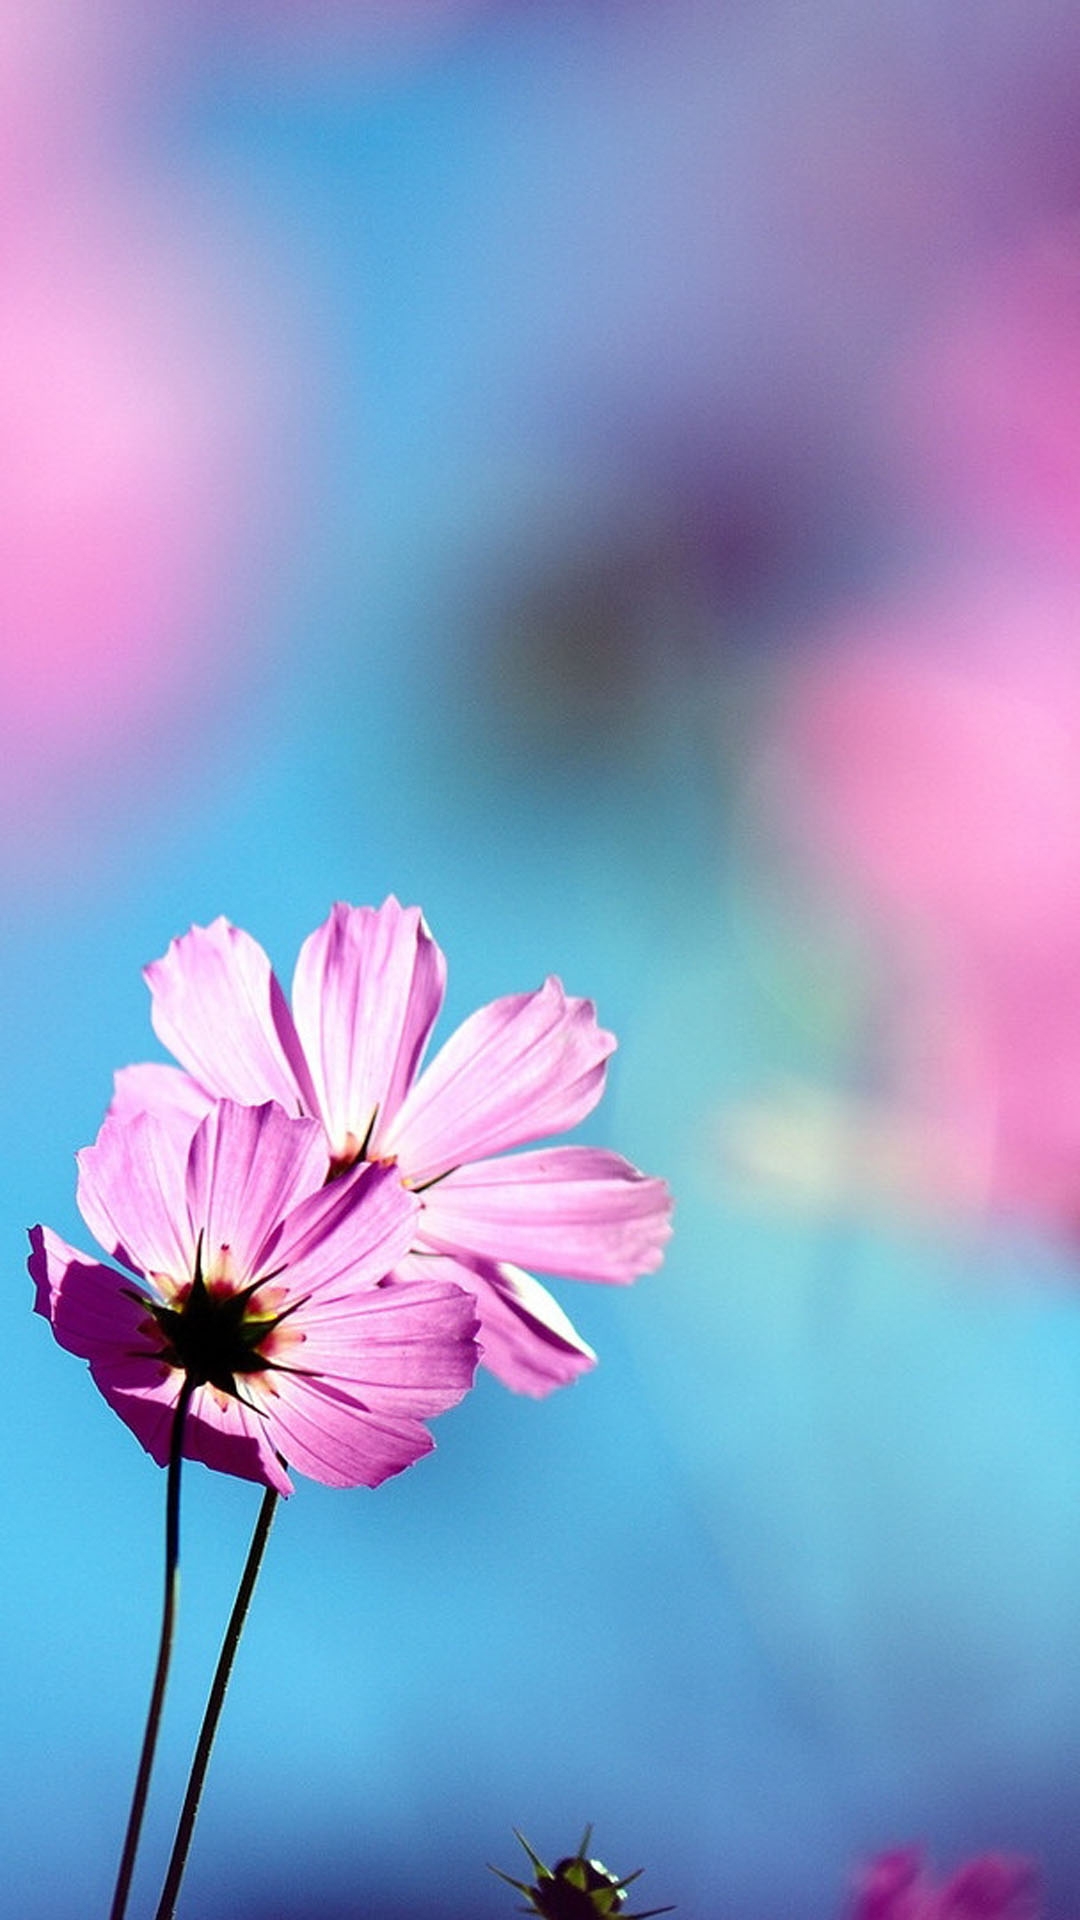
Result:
x=215 y=1702
x=161 y=1671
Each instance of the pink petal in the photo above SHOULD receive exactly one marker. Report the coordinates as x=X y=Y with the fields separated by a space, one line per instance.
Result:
x=218 y=1007
x=346 y=1406
x=332 y=1438
x=405 y=1348
x=525 y=1066
x=219 y=1430
x=165 y=1091
x=577 y=1211
x=993 y=1887
x=366 y=993
x=132 y=1193
x=892 y=1887
x=89 y=1305
x=248 y=1166
x=526 y=1340
x=94 y=1315
x=345 y=1236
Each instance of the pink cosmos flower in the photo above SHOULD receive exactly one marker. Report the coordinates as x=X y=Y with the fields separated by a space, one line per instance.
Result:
x=366 y=993
x=263 y=1287
x=991 y=1887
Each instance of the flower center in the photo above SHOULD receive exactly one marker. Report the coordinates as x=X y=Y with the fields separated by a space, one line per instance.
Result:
x=578 y=1888
x=349 y=1155
x=354 y=1147
x=214 y=1330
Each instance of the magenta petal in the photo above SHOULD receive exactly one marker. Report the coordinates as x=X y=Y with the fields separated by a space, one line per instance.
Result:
x=98 y=1315
x=132 y=1193
x=248 y=1166
x=577 y=1211
x=526 y=1066
x=218 y=1007
x=219 y=1430
x=525 y=1338
x=347 y=1235
x=993 y=1887
x=90 y=1306
x=327 y=1435
x=167 y=1092
x=891 y=1887
x=403 y=1348
x=366 y=993
x=345 y=1404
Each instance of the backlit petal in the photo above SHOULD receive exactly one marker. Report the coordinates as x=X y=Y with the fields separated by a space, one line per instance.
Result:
x=219 y=1430
x=328 y=1435
x=366 y=993
x=525 y=1338
x=219 y=1008
x=577 y=1211
x=88 y=1304
x=403 y=1348
x=994 y=1886
x=132 y=1193
x=523 y=1067
x=247 y=1168
x=346 y=1235
x=165 y=1091
x=890 y=1885
x=94 y=1315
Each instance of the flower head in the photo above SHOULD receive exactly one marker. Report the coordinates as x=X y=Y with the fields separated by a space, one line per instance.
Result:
x=576 y=1888
x=367 y=990
x=264 y=1289
x=991 y=1887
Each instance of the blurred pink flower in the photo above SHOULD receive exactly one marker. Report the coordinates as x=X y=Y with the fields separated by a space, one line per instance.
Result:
x=933 y=739
x=131 y=487
x=263 y=1287
x=991 y=1887
x=929 y=757
x=63 y=73
x=982 y=410
x=366 y=993
x=144 y=441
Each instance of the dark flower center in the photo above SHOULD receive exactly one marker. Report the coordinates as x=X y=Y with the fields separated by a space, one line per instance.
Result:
x=215 y=1332
x=579 y=1890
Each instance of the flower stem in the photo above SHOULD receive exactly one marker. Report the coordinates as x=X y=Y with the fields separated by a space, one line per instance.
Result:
x=161 y=1671
x=215 y=1702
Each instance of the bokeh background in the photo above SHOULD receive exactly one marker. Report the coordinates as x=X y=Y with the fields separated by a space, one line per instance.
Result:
x=608 y=472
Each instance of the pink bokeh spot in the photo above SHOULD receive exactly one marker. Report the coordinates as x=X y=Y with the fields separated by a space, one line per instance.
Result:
x=982 y=411
x=142 y=435
x=930 y=762
x=128 y=436
x=935 y=739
